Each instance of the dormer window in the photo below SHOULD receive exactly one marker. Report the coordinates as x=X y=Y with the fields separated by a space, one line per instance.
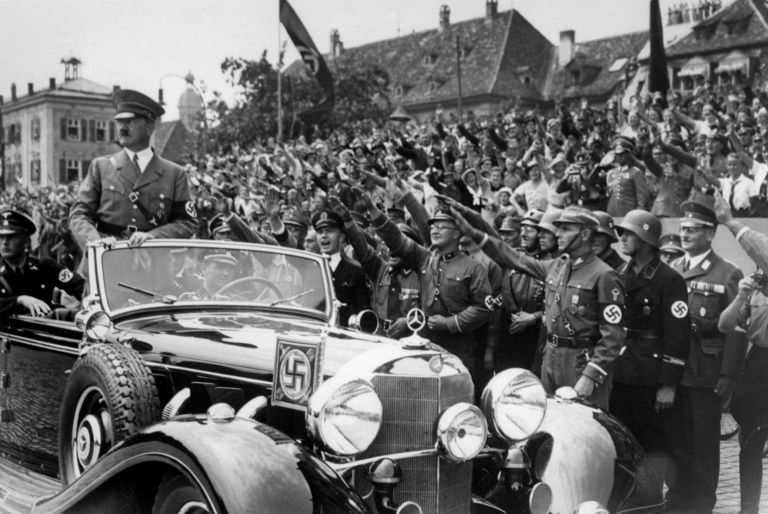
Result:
x=575 y=76
x=527 y=80
x=429 y=59
x=432 y=85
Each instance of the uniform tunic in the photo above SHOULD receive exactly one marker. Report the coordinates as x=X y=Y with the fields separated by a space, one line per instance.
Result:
x=712 y=286
x=612 y=259
x=583 y=309
x=37 y=279
x=115 y=199
x=627 y=190
x=451 y=285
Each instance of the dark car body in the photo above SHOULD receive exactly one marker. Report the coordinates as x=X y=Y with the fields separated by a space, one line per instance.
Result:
x=235 y=350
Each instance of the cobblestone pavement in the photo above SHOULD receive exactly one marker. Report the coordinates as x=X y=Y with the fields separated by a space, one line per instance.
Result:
x=728 y=486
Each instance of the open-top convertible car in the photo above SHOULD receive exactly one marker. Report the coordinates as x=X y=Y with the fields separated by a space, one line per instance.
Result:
x=209 y=376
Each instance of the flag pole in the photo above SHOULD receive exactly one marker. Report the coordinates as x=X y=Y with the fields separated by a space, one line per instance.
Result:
x=279 y=79
x=458 y=75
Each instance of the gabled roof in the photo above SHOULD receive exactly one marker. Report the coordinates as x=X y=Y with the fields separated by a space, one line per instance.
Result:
x=172 y=140
x=746 y=19
x=601 y=55
x=422 y=66
x=79 y=88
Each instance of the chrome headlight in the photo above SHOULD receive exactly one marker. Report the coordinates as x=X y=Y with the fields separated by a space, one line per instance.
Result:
x=515 y=403
x=462 y=431
x=344 y=415
x=96 y=324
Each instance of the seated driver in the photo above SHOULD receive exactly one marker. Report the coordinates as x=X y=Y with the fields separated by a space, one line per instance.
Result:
x=217 y=270
x=27 y=283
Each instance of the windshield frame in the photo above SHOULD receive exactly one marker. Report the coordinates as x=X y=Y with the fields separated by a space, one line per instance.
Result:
x=97 y=283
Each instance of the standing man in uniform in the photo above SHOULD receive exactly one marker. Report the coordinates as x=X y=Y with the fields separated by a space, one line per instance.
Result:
x=712 y=364
x=26 y=283
x=133 y=194
x=454 y=288
x=648 y=371
x=583 y=305
x=348 y=278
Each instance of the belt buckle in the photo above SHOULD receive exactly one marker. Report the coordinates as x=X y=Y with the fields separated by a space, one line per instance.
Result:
x=554 y=340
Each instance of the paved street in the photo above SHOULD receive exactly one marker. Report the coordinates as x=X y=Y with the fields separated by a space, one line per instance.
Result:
x=728 y=490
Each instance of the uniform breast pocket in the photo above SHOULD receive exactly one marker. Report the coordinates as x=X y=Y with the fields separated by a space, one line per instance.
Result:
x=455 y=286
x=705 y=304
x=112 y=191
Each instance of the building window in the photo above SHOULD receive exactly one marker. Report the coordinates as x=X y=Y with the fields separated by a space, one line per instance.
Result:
x=575 y=77
x=429 y=59
x=101 y=131
x=73 y=129
x=527 y=80
x=34 y=172
x=73 y=170
x=35 y=129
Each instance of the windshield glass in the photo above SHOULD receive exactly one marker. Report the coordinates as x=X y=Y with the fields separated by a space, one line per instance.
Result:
x=183 y=274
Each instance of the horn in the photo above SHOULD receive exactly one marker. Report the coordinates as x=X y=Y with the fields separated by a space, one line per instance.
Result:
x=365 y=321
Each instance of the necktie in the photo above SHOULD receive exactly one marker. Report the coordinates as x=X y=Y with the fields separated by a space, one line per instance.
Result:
x=136 y=163
x=687 y=265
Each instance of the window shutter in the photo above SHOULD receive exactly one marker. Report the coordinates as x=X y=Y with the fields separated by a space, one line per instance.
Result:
x=62 y=171
x=84 y=165
x=64 y=129
x=83 y=130
x=111 y=131
x=92 y=130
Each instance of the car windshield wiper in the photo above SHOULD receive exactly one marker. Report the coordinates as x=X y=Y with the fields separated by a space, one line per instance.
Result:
x=167 y=299
x=290 y=298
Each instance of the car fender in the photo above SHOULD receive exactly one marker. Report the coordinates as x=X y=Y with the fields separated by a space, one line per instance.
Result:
x=239 y=465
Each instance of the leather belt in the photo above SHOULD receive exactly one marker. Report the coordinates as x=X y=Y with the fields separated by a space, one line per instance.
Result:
x=570 y=342
x=640 y=334
x=115 y=230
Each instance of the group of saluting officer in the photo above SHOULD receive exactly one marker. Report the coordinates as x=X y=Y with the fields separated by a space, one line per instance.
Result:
x=659 y=345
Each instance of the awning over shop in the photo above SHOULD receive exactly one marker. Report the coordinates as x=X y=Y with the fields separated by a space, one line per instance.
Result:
x=695 y=66
x=734 y=61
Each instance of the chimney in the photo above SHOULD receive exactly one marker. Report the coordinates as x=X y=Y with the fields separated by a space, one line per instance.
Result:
x=335 y=43
x=567 y=47
x=13 y=92
x=1 y=101
x=491 y=10
x=30 y=88
x=51 y=83
x=445 y=17
x=115 y=88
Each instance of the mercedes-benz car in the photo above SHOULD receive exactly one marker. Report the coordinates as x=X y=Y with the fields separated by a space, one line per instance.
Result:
x=211 y=376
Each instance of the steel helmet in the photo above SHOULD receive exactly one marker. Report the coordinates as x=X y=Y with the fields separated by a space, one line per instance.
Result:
x=643 y=224
x=605 y=225
x=551 y=214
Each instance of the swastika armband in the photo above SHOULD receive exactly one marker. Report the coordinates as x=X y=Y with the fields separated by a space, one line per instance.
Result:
x=612 y=313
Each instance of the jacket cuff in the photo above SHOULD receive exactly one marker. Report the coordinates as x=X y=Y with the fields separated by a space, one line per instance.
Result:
x=453 y=325
x=595 y=372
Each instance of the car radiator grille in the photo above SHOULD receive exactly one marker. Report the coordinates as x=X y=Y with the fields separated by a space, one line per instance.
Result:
x=412 y=406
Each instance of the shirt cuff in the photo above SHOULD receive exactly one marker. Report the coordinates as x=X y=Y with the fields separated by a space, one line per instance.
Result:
x=740 y=233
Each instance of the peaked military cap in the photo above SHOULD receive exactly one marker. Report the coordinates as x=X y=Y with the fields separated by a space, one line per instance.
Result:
x=13 y=222
x=219 y=258
x=130 y=103
x=697 y=214
x=327 y=219
x=442 y=216
x=623 y=144
x=576 y=216
x=218 y=225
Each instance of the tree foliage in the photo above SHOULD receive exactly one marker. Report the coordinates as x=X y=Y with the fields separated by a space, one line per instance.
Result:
x=360 y=94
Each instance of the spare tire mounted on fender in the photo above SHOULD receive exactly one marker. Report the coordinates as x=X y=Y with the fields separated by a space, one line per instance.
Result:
x=110 y=394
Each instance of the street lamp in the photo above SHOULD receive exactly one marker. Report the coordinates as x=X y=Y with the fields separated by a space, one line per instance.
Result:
x=189 y=79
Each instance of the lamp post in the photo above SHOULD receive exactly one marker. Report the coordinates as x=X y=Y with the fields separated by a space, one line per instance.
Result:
x=189 y=79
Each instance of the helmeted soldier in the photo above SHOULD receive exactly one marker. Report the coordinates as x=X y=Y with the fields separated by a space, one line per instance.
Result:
x=604 y=238
x=670 y=248
x=547 y=233
x=713 y=360
x=27 y=283
x=583 y=305
x=133 y=194
x=648 y=371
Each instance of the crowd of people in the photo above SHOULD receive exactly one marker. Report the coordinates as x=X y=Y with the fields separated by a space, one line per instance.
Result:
x=501 y=228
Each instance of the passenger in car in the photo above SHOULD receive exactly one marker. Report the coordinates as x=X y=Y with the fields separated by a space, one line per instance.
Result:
x=27 y=283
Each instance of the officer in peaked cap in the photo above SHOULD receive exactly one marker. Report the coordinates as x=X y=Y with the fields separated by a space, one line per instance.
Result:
x=657 y=324
x=626 y=185
x=348 y=277
x=217 y=270
x=604 y=238
x=26 y=283
x=133 y=194
x=713 y=360
x=297 y=225
x=670 y=248
x=218 y=228
x=583 y=305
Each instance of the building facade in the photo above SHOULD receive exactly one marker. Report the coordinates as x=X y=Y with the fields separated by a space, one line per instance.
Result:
x=52 y=135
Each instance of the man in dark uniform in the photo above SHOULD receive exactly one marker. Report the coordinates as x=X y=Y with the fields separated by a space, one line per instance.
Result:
x=454 y=288
x=395 y=286
x=583 y=305
x=133 y=194
x=348 y=278
x=712 y=364
x=648 y=371
x=523 y=301
x=605 y=237
x=26 y=283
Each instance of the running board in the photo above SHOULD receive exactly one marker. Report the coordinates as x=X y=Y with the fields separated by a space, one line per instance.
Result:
x=20 y=488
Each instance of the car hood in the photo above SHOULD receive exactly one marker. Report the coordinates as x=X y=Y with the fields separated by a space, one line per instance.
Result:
x=239 y=342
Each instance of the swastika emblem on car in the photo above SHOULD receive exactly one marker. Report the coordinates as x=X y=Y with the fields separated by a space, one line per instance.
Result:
x=612 y=314
x=679 y=309
x=295 y=373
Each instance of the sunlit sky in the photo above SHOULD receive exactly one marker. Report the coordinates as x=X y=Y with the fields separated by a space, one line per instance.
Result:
x=134 y=44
